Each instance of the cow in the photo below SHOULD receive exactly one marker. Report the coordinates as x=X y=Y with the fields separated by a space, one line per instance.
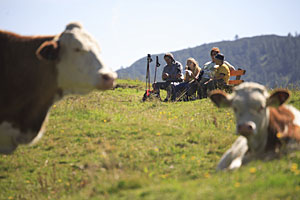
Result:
x=266 y=127
x=36 y=71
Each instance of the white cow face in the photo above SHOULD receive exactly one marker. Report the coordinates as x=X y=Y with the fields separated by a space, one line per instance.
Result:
x=249 y=102
x=80 y=68
x=250 y=108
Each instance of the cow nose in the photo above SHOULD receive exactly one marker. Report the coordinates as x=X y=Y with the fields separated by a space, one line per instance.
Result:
x=109 y=77
x=246 y=129
x=107 y=80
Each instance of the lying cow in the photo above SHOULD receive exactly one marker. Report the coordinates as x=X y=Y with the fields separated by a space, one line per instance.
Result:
x=265 y=125
x=35 y=71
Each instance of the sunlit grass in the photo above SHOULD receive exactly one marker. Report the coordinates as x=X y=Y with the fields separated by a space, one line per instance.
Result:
x=110 y=145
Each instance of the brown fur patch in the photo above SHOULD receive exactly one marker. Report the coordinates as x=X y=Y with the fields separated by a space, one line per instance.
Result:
x=281 y=121
x=28 y=85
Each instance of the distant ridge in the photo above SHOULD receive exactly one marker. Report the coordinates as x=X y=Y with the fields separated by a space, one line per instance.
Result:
x=269 y=59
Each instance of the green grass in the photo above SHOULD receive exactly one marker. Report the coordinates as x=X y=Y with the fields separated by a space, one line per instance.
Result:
x=110 y=145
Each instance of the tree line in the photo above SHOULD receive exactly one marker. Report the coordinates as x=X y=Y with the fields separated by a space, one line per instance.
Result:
x=271 y=60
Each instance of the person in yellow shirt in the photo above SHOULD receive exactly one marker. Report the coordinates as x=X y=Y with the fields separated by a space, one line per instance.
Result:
x=222 y=71
x=222 y=74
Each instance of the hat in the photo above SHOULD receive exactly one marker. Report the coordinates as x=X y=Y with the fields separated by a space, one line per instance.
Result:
x=170 y=56
x=219 y=56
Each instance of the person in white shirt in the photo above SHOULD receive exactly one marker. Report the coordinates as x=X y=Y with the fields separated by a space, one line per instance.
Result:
x=209 y=71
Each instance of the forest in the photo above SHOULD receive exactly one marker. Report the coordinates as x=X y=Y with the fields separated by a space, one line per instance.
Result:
x=269 y=59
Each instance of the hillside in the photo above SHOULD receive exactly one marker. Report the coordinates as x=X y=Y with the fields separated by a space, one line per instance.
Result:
x=270 y=60
x=110 y=145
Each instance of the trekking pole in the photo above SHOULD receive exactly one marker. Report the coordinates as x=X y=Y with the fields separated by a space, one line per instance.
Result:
x=149 y=59
x=189 y=86
x=156 y=66
x=185 y=90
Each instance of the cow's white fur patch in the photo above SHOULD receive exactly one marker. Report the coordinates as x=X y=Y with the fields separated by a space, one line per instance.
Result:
x=250 y=87
x=73 y=25
x=11 y=137
x=296 y=113
x=41 y=132
x=249 y=101
x=232 y=158
x=80 y=65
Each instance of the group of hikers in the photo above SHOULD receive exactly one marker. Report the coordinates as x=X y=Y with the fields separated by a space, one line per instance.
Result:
x=214 y=74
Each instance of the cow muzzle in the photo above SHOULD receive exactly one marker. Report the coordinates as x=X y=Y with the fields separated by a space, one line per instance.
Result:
x=246 y=129
x=106 y=80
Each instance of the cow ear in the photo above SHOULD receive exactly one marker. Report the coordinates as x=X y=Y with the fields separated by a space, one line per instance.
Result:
x=220 y=98
x=278 y=97
x=48 y=50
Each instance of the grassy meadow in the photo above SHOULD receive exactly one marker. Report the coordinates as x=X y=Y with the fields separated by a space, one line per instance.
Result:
x=110 y=145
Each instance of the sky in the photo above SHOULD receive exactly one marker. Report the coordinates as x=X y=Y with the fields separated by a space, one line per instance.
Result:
x=128 y=30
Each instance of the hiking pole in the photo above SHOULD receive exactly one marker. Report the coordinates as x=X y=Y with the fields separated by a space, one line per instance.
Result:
x=185 y=90
x=189 y=85
x=149 y=60
x=156 y=66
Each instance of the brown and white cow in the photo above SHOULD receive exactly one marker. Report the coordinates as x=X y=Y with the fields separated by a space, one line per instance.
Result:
x=264 y=124
x=35 y=71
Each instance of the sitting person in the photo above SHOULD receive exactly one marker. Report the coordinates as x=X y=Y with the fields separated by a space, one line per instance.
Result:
x=209 y=70
x=192 y=73
x=221 y=76
x=172 y=75
x=192 y=70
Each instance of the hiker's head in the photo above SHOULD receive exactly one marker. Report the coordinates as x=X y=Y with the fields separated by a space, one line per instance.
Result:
x=169 y=58
x=191 y=63
x=219 y=59
x=213 y=52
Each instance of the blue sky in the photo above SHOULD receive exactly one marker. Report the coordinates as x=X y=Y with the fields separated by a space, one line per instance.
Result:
x=130 y=29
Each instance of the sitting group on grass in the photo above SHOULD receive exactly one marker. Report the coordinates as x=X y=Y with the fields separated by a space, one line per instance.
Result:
x=214 y=75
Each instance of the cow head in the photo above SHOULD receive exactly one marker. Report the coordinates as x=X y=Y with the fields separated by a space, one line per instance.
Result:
x=79 y=66
x=250 y=103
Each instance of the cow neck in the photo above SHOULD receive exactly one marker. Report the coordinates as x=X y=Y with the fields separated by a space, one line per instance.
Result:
x=29 y=84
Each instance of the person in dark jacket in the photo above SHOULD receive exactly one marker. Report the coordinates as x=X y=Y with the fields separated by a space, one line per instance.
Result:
x=172 y=76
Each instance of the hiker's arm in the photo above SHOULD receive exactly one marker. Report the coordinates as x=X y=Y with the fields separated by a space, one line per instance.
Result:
x=179 y=76
x=197 y=75
x=165 y=76
x=221 y=76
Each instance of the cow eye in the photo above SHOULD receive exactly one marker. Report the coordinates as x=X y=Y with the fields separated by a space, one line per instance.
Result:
x=77 y=49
